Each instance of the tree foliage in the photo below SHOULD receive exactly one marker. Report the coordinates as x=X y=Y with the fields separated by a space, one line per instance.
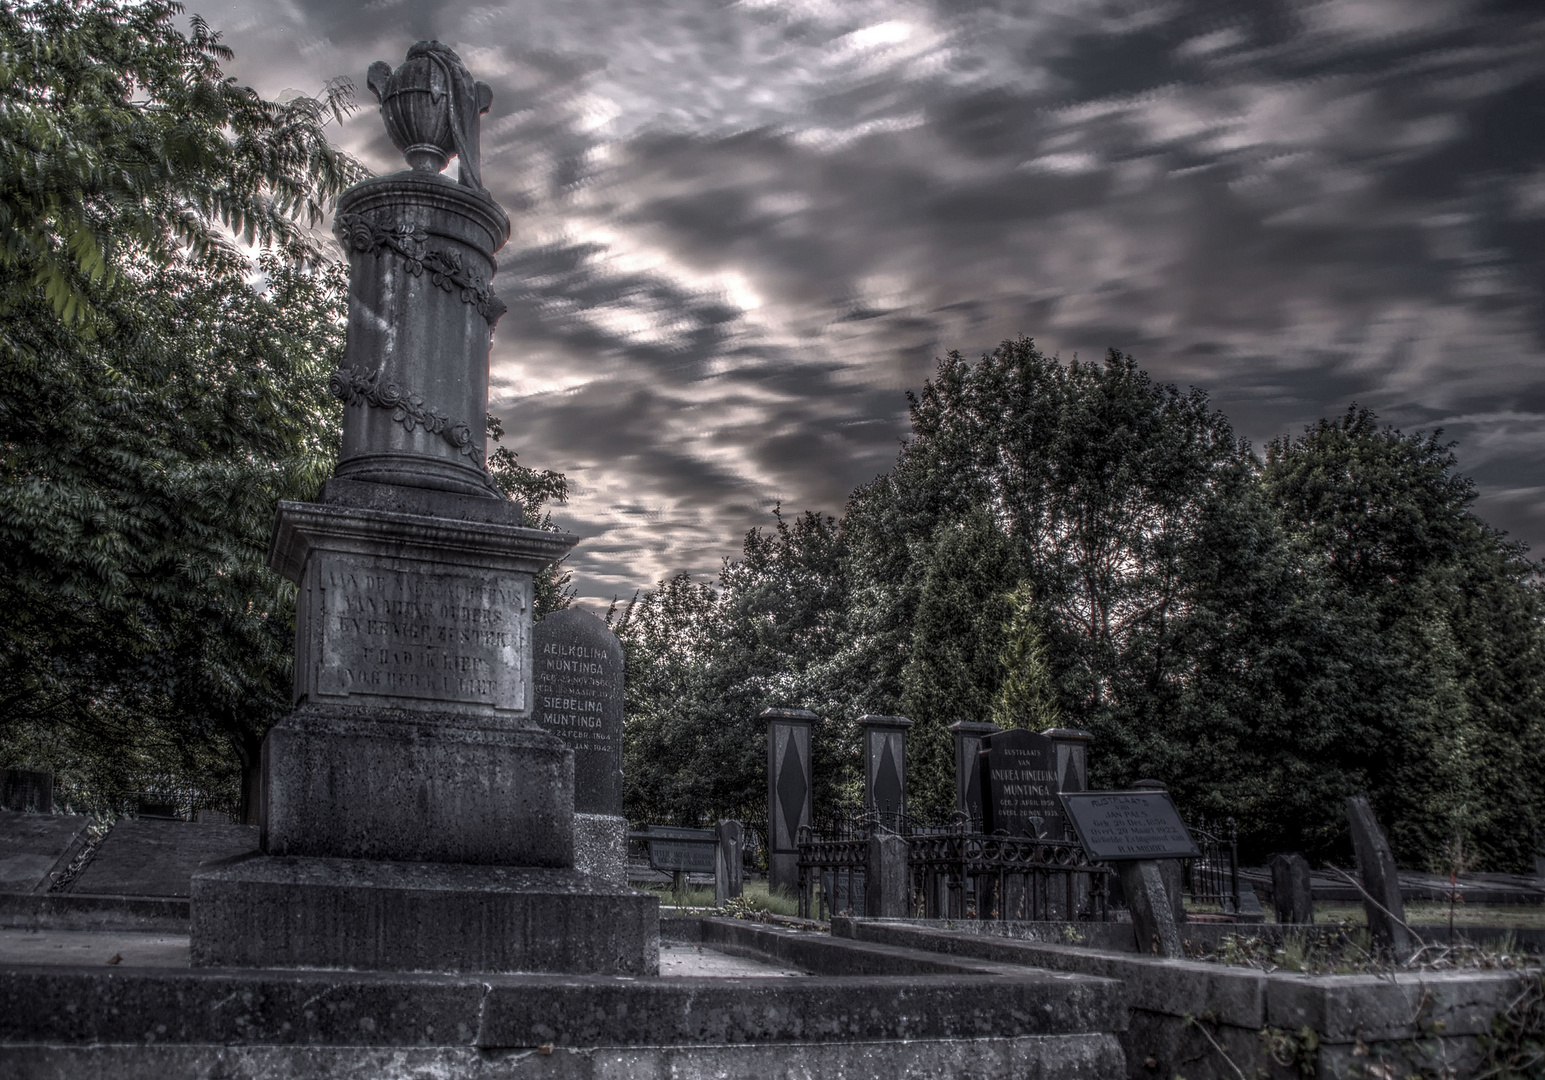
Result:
x=1074 y=543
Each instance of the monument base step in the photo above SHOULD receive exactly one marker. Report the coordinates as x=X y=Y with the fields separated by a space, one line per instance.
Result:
x=298 y=912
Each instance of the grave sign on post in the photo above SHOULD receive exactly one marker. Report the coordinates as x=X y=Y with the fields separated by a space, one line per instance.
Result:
x=1134 y=830
x=1019 y=785
x=689 y=851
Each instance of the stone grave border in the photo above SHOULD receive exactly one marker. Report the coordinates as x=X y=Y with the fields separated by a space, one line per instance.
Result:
x=1182 y=1012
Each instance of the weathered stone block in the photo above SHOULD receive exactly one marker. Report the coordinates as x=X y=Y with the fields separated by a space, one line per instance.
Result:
x=366 y=787
x=398 y=916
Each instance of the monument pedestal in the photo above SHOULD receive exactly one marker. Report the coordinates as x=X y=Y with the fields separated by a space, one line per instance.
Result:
x=286 y=912
x=414 y=817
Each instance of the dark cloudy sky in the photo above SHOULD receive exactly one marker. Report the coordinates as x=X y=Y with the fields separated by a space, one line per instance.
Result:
x=742 y=230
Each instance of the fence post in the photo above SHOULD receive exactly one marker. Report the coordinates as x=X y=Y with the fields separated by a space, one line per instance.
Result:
x=885 y=885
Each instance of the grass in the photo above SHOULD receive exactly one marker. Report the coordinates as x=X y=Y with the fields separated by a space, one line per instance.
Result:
x=1436 y=914
x=755 y=898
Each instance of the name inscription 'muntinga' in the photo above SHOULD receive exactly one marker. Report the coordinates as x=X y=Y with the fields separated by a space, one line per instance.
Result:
x=437 y=637
x=573 y=684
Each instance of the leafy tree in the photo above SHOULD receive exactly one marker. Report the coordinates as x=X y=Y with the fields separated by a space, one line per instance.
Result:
x=1027 y=696
x=153 y=405
x=553 y=587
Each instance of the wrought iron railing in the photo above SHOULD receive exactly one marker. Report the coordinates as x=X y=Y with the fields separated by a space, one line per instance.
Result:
x=953 y=869
x=1214 y=878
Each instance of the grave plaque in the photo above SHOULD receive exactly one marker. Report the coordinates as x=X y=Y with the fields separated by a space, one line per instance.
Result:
x=1019 y=785
x=1125 y=825
x=577 y=671
x=690 y=851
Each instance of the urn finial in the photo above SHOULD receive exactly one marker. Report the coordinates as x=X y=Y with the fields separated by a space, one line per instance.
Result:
x=431 y=106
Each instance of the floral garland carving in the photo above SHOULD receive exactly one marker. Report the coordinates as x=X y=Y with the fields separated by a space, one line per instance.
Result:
x=353 y=386
x=409 y=240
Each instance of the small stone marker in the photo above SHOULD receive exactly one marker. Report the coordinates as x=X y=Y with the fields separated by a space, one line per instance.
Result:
x=968 y=770
x=885 y=763
x=1376 y=866
x=790 y=791
x=577 y=676
x=727 y=875
x=885 y=884
x=1291 y=891
x=1134 y=830
x=1019 y=785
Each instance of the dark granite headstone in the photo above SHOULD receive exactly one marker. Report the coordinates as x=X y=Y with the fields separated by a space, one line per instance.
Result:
x=578 y=685
x=1019 y=785
x=1291 y=893
x=26 y=789
x=790 y=788
x=727 y=872
x=1376 y=866
x=36 y=847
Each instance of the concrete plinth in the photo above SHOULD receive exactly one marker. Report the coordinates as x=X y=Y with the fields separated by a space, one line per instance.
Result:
x=285 y=912
x=412 y=788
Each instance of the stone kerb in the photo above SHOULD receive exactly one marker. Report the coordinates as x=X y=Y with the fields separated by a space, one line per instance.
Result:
x=1355 y=1017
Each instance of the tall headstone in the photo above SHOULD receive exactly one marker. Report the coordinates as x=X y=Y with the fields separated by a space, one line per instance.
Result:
x=728 y=877
x=790 y=791
x=1291 y=891
x=1376 y=866
x=968 y=770
x=578 y=696
x=414 y=815
x=1019 y=785
x=885 y=764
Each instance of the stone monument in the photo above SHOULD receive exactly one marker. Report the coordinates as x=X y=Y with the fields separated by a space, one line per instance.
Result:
x=414 y=816
x=968 y=771
x=885 y=766
x=578 y=695
x=790 y=791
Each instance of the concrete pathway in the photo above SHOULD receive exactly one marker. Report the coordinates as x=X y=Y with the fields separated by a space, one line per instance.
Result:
x=86 y=948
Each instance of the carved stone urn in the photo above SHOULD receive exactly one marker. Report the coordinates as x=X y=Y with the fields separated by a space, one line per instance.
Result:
x=431 y=106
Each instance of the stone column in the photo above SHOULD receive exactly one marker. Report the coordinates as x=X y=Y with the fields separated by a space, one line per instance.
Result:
x=578 y=697
x=1072 y=757
x=885 y=764
x=968 y=772
x=790 y=787
x=413 y=815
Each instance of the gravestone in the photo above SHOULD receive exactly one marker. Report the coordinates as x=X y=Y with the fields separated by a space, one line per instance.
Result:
x=27 y=790
x=36 y=848
x=968 y=770
x=577 y=677
x=414 y=815
x=790 y=791
x=886 y=883
x=1291 y=890
x=1019 y=785
x=1376 y=866
x=885 y=763
x=1135 y=830
x=728 y=877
